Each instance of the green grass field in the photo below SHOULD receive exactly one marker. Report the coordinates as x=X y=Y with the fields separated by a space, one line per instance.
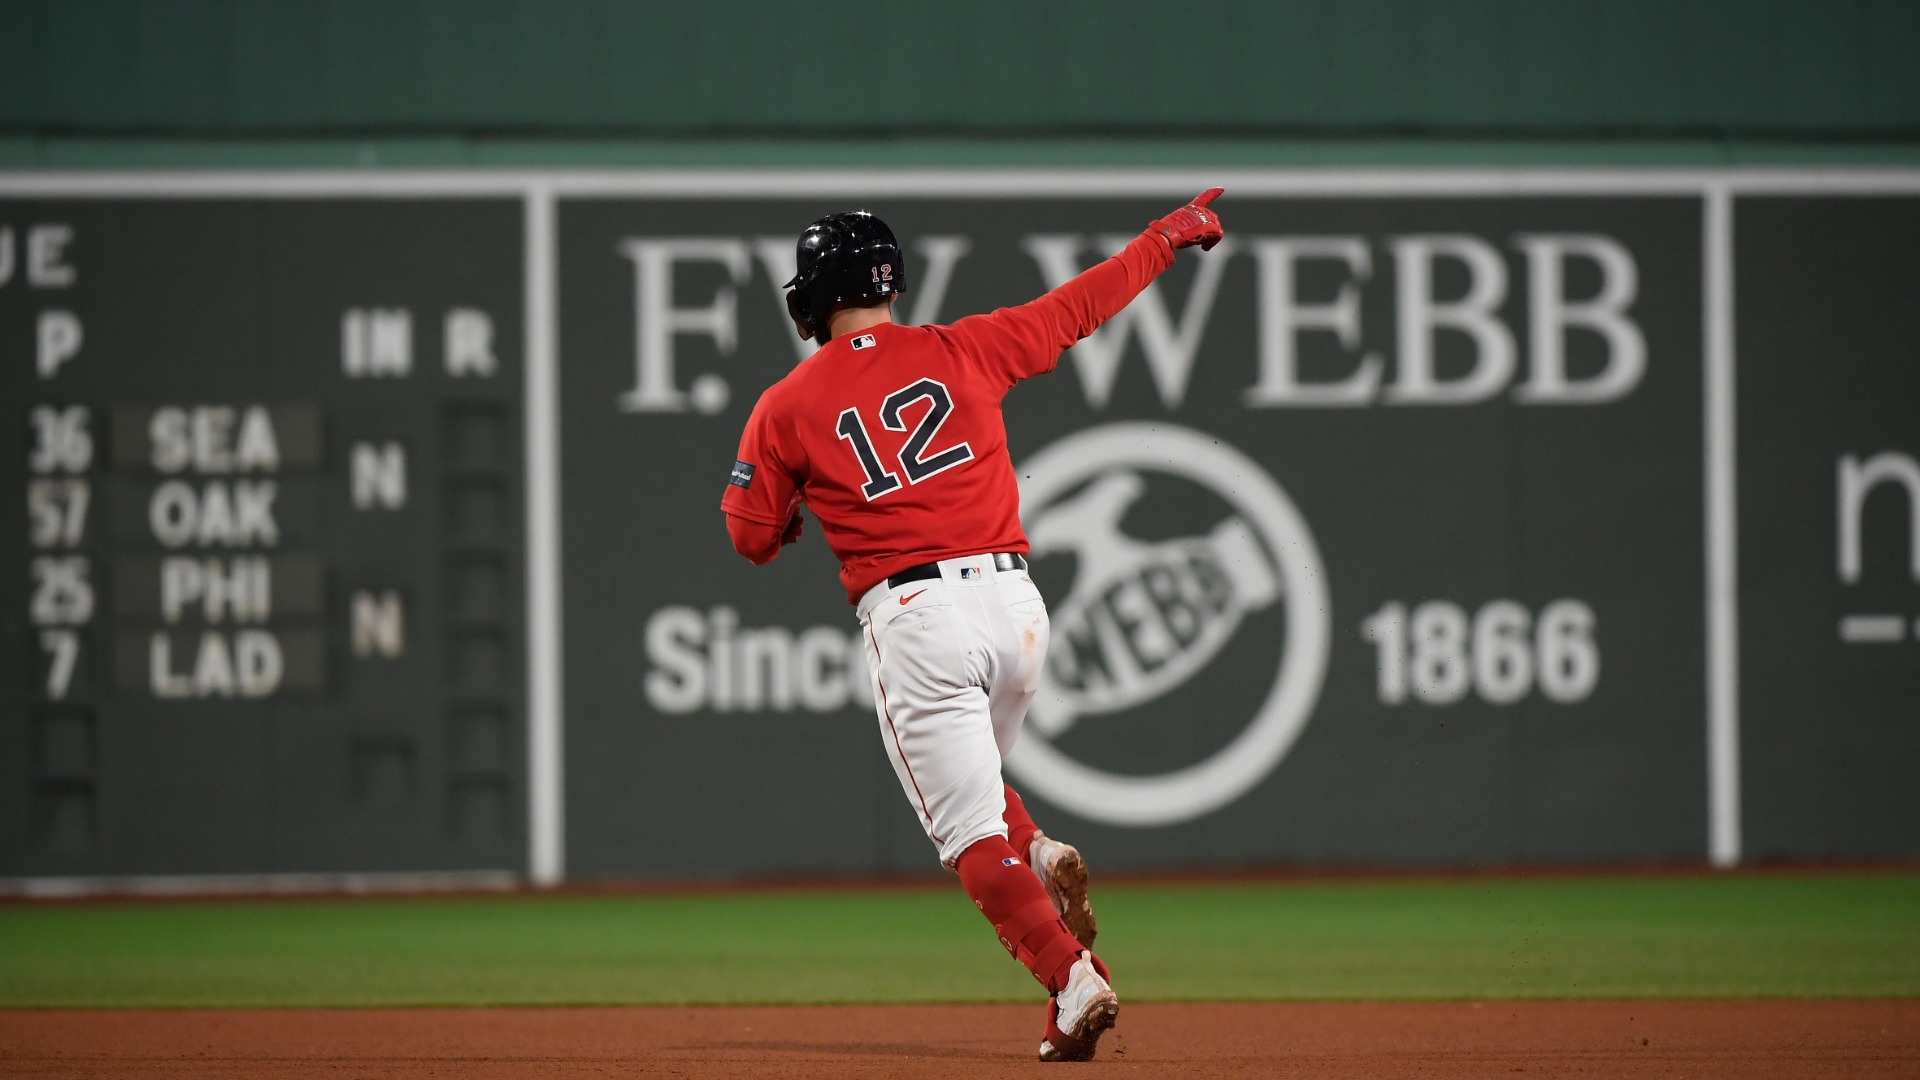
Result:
x=1745 y=935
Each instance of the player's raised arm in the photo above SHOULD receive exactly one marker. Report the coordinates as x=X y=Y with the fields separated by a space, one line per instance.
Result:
x=1028 y=339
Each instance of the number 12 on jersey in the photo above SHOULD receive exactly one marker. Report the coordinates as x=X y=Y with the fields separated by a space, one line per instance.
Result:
x=914 y=460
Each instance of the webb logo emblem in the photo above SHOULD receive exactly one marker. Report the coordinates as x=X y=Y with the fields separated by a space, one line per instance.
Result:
x=1197 y=588
x=1145 y=617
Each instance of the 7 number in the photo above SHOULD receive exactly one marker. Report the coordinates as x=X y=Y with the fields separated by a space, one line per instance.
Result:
x=63 y=652
x=913 y=457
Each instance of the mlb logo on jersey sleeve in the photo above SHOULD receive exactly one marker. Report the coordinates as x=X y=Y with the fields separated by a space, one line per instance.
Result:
x=742 y=475
x=864 y=341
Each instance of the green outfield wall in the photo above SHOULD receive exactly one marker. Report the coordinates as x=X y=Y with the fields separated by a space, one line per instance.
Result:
x=365 y=522
x=371 y=367
x=598 y=82
x=1785 y=68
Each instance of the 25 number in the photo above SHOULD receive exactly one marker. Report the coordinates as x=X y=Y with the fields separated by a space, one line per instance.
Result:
x=913 y=458
x=62 y=591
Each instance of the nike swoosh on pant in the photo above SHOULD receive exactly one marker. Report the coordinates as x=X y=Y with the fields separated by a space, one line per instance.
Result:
x=905 y=600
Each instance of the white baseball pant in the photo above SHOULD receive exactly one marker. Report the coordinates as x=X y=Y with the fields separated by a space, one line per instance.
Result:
x=954 y=661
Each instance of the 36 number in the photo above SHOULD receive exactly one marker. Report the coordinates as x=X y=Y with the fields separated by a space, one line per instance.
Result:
x=914 y=459
x=1437 y=655
x=62 y=441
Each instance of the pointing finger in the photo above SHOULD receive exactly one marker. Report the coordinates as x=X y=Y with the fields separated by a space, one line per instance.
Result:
x=1207 y=196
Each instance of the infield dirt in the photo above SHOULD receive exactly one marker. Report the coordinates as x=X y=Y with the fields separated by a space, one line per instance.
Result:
x=1844 y=1038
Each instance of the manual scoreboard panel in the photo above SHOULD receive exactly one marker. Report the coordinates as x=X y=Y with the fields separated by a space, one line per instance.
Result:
x=266 y=556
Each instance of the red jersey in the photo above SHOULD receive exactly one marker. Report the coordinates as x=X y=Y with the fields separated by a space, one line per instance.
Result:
x=893 y=435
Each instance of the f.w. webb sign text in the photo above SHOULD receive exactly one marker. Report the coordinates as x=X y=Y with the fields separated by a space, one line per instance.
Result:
x=1311 y=296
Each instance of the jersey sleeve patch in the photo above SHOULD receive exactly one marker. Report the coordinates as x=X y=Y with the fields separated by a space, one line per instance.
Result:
x=742 y=475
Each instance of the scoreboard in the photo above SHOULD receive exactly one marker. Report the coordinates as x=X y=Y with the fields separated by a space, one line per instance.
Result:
x=267 y=552
x=361 y=523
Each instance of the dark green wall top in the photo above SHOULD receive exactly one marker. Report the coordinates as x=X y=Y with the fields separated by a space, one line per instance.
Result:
x=1787 y=69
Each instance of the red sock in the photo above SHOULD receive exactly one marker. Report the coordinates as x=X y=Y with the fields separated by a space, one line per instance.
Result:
x=1020 y=827
x=1011 y=898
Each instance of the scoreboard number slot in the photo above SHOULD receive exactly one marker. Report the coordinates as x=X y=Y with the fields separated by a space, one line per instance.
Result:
x=62 y=439
x=57 y=512
x=61 y=596
x=62 y=650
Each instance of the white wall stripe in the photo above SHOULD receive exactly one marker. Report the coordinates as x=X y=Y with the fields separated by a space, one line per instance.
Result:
x=1723 y=578
x=64 y=888
x=928 y=182
x=546 y=733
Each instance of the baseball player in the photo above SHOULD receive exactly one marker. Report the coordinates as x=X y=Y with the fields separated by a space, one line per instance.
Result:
x=893 y=435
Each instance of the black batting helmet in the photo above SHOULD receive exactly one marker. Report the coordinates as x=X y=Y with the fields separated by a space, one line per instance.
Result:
x=842 y=258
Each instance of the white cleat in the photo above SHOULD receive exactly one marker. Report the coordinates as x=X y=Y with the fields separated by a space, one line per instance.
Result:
x=1081 y=1013
x=1064 y=874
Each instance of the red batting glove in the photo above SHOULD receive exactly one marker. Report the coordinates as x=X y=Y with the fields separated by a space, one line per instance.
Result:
x=793 y=529
x=1192 y=224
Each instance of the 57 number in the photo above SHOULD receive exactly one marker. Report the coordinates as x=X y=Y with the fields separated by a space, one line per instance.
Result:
x=1435 y=654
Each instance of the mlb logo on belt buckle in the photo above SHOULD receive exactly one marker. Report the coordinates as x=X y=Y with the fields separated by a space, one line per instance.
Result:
x=864 y=341
x=970 y=573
